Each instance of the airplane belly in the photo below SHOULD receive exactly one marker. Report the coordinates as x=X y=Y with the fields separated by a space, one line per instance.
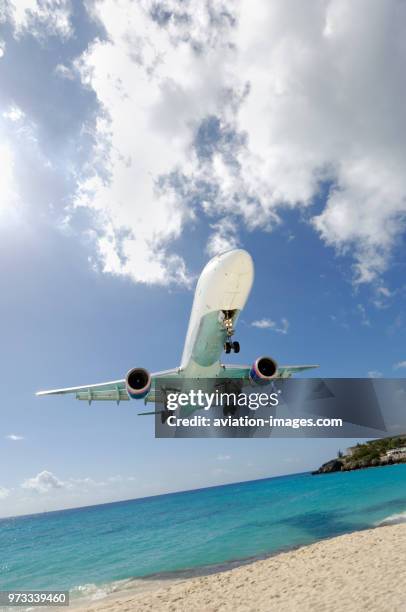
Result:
x=210 y=340
x=224 y=285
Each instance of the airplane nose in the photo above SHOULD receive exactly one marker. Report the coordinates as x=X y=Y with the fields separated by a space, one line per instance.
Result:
x=236 y=261
x=226 y=281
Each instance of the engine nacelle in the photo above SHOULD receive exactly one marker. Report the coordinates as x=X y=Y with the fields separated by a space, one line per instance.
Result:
x=263 y=370
x=138 y=383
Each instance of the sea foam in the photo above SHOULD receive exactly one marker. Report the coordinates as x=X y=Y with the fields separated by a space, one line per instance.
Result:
x=393 y=519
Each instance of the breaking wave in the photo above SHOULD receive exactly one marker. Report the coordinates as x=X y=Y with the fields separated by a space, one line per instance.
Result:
x=393 y=519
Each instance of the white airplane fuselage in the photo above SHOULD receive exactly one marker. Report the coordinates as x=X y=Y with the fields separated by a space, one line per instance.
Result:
x=221 y=293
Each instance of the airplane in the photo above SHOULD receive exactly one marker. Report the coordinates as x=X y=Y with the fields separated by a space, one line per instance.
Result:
x=221 y=294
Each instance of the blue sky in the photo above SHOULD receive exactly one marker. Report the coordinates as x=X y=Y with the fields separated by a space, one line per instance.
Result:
x=132 y=149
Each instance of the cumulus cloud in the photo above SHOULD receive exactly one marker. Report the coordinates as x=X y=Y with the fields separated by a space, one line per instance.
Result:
x=41 y=17
x=291 y=97
x=234 y=113
x=14 y=437
x=224 y=236
x=43 y=482
x=399 y=365
x=46 y=481
x=323 y=107
x=281 y=328
x=375 y=374
x=154 y=88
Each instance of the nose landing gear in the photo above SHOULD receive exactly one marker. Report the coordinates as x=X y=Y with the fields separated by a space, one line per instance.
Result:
x=227 y=320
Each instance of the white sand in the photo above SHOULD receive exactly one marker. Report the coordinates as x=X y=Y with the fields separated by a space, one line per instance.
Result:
x=359 y=571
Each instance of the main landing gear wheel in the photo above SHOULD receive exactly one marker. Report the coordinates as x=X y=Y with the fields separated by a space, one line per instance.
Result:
x=232 y=346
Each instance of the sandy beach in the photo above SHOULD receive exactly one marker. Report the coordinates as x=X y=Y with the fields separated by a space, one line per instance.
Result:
x=365 y=570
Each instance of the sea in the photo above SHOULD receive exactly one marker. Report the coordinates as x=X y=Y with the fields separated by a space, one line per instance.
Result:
x=88 y=550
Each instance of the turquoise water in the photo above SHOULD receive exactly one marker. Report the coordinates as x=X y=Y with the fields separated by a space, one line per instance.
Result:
x=101 y=544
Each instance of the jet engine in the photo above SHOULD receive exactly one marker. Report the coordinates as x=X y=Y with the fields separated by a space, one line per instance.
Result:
x=138 y=383
x=263 y=370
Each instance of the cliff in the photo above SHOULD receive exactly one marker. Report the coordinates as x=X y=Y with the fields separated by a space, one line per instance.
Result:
x=369 y=454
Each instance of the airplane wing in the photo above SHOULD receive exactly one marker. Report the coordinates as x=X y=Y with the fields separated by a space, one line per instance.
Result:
x=243 y=372
x=107 y=391
x=116 y=390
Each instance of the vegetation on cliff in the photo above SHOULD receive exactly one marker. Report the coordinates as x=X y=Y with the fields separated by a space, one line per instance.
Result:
x=369 y=454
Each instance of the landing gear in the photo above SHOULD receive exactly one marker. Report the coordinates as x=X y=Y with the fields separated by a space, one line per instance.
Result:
x=227 y=320
x=231 y=346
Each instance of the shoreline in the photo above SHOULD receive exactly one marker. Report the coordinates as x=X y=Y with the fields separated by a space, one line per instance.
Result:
x=363 y=570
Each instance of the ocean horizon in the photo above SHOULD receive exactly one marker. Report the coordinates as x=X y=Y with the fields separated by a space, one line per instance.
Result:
x=83 y=549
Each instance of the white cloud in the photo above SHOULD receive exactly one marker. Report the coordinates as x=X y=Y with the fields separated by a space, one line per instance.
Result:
x=399 y=365
x=42 y=16
x=87 y=482
x=43 y=482
x=46 y=481
x=307 y=93
x=281 y=328
x=14 y=437
x=384 y=291
x=375 y=374
x=301 y=96
x=323 y=106
x=154 y=89
x=4 y=492
x=223 y=237
x=65 y=72
x=382 y=296
x=84 y=484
